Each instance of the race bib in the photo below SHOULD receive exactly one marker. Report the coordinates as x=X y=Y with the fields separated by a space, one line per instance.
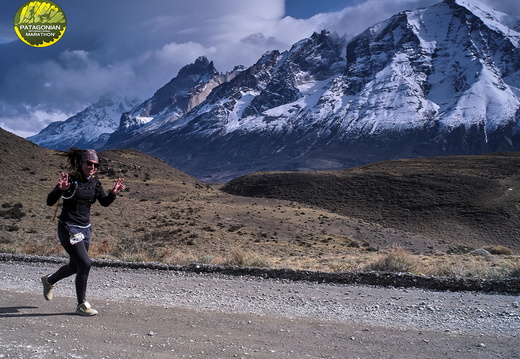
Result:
x=76 y=238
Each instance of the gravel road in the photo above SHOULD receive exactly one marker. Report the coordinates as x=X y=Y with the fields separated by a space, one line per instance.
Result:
x=174 y=314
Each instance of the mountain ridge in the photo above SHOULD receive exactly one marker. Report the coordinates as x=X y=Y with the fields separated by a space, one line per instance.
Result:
x=441 y=80
x=89 y=128
x=405 y=91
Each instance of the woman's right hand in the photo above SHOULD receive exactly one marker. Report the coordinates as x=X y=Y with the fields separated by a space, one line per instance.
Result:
x=63 y=183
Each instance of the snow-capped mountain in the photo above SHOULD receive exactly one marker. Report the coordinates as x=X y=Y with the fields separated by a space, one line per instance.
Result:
x=438 y=80
x=89 y=128
x=190 y=87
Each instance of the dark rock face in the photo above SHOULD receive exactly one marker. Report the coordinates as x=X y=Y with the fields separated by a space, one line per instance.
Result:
x=173 y=100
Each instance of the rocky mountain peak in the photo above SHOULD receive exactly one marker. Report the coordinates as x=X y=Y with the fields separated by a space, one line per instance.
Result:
x=193 y=83
x=200 y=66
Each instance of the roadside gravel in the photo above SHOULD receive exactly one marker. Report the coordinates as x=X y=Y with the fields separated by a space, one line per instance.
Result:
x=177 y=314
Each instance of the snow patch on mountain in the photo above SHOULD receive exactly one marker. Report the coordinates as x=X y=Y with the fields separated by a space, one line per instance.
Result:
x=89 y=128
x=506 y=24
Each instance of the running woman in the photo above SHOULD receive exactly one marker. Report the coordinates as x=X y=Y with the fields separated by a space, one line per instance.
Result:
x=79 y=188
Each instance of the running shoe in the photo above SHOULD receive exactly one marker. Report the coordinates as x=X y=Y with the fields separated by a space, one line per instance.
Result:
x=86 y=309
x=47 y=288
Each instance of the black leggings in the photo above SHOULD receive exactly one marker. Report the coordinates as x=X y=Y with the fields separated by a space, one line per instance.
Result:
x=79 y=263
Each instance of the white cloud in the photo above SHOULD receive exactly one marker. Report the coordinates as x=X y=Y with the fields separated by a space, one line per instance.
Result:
x=23 y=123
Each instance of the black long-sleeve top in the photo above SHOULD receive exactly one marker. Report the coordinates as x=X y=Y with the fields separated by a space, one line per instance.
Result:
x=77 y=200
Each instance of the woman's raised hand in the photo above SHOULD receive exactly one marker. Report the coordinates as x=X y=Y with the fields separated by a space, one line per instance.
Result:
x=119 y=186
x=63 y=183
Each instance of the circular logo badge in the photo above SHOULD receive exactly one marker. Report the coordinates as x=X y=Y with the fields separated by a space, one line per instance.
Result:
x=40 y=23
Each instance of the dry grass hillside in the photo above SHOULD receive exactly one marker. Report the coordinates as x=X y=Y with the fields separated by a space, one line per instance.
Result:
x=312 y=221
x=466 y=201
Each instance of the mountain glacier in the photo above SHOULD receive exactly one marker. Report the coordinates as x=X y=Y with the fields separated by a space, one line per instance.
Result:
x=438 y=80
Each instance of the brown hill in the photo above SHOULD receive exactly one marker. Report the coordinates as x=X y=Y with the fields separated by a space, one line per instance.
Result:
x=168 y=216
x=30 y=172
x=467 y=201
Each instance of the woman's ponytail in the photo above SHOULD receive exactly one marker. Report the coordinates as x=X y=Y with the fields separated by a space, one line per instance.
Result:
x=73 y=155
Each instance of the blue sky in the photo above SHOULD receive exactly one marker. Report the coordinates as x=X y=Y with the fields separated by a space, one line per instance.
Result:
x=304 y=9
x=134 y=47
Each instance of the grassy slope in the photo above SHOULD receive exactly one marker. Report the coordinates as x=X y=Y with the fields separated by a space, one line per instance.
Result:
x=464 y=200
x=166 y=215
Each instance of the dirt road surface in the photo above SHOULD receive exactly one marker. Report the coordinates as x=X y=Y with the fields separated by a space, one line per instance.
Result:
x=171 y=314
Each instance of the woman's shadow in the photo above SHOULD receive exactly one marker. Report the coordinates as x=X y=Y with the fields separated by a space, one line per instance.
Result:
x=15 y=312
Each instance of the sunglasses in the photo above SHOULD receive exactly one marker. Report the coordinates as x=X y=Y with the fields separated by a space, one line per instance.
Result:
x=96 y=165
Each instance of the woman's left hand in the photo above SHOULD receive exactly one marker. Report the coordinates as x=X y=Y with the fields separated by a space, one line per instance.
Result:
x=119 y=186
